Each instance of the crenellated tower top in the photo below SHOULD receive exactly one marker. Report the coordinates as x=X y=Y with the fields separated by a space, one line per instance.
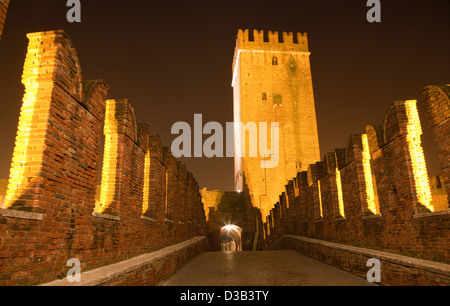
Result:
x=272 y=42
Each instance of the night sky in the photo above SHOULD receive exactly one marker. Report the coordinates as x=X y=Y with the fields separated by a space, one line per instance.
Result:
x=173 y=59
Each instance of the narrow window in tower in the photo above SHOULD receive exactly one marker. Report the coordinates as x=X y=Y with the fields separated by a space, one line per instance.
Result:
x=277 y=99
x=264 y=96
x=274 y=61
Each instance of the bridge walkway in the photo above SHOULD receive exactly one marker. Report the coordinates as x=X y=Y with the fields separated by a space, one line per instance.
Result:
x=267 y=268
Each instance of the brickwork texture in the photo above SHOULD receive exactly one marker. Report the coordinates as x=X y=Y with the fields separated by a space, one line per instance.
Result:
x=395 y=270
x=148 y=200
x=272 y=83
x=375 y=192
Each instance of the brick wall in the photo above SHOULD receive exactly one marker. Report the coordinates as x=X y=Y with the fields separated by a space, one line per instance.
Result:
x=395 y=270
x=437 y=104
x=375 y=192
x=50 y=214
x=3 y=10
x=145 y=270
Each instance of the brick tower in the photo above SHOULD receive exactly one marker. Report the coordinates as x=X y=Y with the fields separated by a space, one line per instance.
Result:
x=272 y=83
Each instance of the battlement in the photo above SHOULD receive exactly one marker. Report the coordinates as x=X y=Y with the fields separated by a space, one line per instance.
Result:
x=269 y=41
x=375 y=186
x=147 y=199
x=272 y=41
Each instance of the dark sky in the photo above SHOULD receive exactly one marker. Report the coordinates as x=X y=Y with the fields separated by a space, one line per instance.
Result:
x=173 y=59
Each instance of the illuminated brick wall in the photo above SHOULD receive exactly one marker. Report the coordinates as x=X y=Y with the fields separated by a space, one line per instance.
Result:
x=387 y=196
x=3 y=10
x=50 y=213
x=272 y=82
x=437 y=104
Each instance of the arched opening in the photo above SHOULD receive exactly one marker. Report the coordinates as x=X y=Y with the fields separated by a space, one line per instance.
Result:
x=230 y=238
x=274 y=61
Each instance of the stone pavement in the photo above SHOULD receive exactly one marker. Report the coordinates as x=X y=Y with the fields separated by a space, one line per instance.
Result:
x=268 y=268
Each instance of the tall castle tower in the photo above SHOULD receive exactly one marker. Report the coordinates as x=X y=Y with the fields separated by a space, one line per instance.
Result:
x=272 y=83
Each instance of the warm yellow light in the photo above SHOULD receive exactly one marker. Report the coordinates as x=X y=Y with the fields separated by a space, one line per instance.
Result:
x=231 y=227
x=18 y=181
x=145 y=203
x=110 y=156
x=26 y=162
x=420 y=174
x=370 y=190
x=339 y=189
x=320 y=199
x=228 y=228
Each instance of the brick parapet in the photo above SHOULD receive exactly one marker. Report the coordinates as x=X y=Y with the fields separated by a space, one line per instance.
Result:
x=396 y=270
x=145 y=270
x=399 y=219
x=50 y=213
x=436 y=100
